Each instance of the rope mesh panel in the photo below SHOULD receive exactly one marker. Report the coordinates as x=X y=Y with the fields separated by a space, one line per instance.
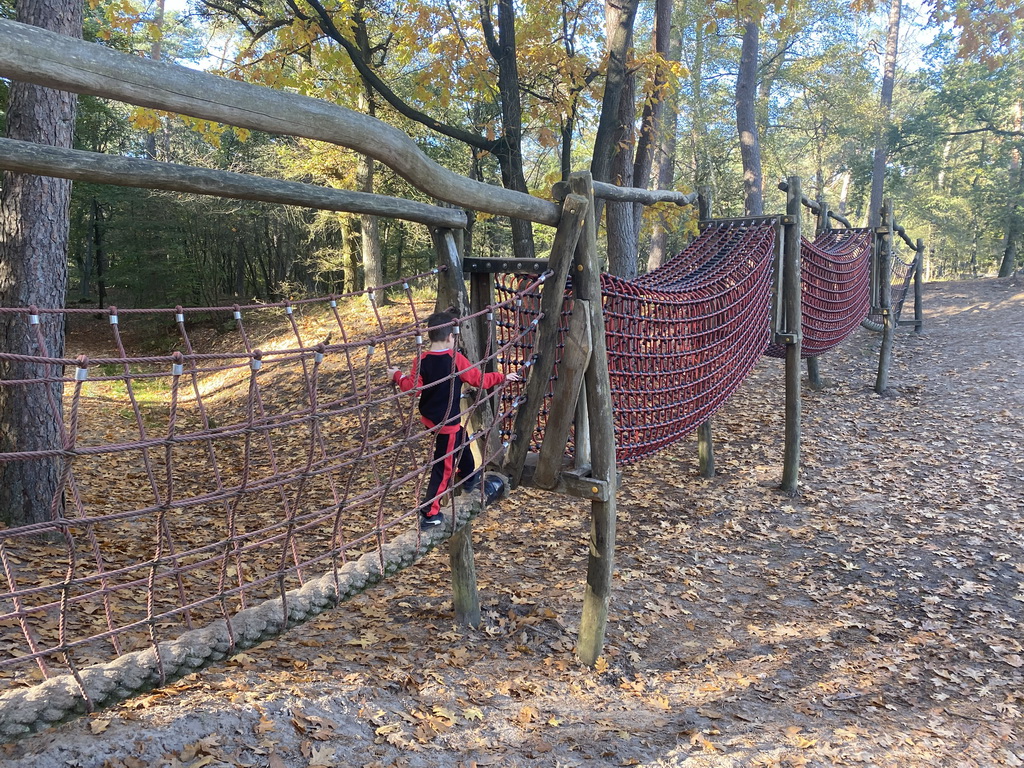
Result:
x=680 y=339
x=902 y=273
x=835 y=284
x=194 y=486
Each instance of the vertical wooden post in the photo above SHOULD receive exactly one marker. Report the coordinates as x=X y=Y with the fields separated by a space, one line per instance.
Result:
x=601 y=564
x=791 y=314
x=918 y=289
x=451 y=291
x=705 y=450
x=581 y=438
x=705 y=440
x=571 y=369
x=885 y=297
x=821 y=223
x=574 y=209
x=813 y=373
x=704 y=202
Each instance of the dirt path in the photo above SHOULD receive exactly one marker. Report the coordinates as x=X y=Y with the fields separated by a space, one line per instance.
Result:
x=875 y=620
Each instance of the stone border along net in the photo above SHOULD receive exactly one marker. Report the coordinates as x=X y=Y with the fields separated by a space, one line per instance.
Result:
x=835 y=290
x=108 y=576
x=680 y=339
x=64 y=698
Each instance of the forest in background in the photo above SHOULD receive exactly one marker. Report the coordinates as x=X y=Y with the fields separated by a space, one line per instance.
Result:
x=515 y=95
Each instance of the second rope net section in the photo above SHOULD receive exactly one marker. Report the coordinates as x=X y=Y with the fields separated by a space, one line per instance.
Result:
x=680 y=339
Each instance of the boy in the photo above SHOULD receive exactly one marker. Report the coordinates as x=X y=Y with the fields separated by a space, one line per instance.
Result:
x=439 y=409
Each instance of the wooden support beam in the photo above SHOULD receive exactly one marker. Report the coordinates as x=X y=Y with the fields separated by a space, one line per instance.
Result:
x=507 y=266
x=451 y=292
x=791 y=315
x=615 y=193
x=562 y=409
x=34 y=55
x=814 y=373
x=918 y=288
x=885 y=299
x=27 y=157
x=601 y=563
x=577 y=482
x=546 y=338
x=705 y=450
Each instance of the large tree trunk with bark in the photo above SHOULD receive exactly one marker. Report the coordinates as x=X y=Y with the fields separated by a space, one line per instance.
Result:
x=746 y=122
x=665 y=154
x=892 y=40
x=502 y=47
x=612 y=159
x=34 y=221
x=1011 y=241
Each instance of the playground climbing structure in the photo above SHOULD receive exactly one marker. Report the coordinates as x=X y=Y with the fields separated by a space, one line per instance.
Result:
x=269 y=482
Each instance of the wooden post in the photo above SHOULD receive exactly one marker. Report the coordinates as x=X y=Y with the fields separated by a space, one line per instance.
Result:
x=601 y=564
x=574 y=211
x=813 y=373
x=704 y=201
x=822 y=225
x=918 y=289
x=885 y=297
x=581 y=457
x=451 y=291
x=791 y=314
x=705 y=441
x=705 y=450
x=571 y=368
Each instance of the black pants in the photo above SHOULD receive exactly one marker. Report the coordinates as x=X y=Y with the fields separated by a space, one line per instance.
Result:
x=452 y=457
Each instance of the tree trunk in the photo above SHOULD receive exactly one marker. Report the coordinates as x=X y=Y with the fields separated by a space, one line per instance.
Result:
x=34 y=216
x=509 y=151
x=619 y=18
x=885 y=108
x=665 y=158
x=613 y=144
x=1013 y=208
x=746 y=122
x=654 y=109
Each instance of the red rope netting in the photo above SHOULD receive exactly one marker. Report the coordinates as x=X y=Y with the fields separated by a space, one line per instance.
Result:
x=194 y=484
x=835 y=284
x=901 y=273
x=680 y=339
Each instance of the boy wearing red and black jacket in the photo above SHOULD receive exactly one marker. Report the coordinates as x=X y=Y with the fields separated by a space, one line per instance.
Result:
x=440 y=372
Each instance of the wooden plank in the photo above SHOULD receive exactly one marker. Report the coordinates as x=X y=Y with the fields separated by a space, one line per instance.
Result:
x=576 y=482
x=34 y=55
x=546 y=339
x=507 y=266
x=562 y=409
x=41 y=160
x=601 y=563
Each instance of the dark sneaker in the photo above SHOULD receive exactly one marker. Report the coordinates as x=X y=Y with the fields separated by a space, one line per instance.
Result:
x=471 y=484
x=431 y=521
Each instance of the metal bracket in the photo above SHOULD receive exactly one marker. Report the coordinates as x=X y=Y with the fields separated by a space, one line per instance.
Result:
x=787 y=338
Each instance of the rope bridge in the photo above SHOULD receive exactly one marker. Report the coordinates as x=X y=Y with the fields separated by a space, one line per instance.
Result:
x=835 y=283
x=208 y=500
x=680 y=339
x=902 y=274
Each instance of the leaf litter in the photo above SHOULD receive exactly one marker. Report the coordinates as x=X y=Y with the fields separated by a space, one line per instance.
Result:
x=872 y=620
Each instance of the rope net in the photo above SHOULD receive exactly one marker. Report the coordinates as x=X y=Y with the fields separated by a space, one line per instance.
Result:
x=901 y=274
x=194 y=485
x=680 y=339
x=835 y=284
